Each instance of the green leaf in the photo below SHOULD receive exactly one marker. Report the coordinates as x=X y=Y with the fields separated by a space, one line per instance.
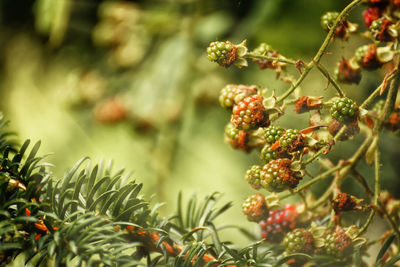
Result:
x=383 y=249
x=93 y=191
x=292 y=256
x=392 y=261
x=10 y=246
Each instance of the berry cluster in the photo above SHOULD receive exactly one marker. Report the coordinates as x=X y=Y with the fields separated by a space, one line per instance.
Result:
x=278 y=222
x=298 y=241
x=337 y=244
x=232 y=94
x=273 y=133
x=344 y=110
x=285 y=153
x=277 y=175
x=224 y=53
x=250 y=113
x=255 y=208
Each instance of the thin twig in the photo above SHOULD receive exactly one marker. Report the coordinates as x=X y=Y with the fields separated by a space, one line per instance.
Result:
x=321 y=50
x=279 y=59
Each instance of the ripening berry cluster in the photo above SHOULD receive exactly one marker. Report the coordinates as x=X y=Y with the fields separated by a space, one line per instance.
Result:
x=224 y=53
x=285 y=227
x=344 y=110
x=380 y=19
x=284 y=153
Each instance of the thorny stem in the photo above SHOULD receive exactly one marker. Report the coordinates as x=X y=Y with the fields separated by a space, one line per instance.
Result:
x=376 y=192
x=311 y=182
x=330 y=79
x=321 y=50
x=390 y=219
x=375 y=93
x=388 y=107
x=319 y=152
x=279 y=59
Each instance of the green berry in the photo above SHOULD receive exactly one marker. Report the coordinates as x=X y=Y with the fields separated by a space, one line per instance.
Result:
x=277 y=176
x=273 y=133
x=233 y=94
x=344 y=110
x=268 y=155
x=289 y=137
x=360 y=53
x=298 y=241
x=224 y=53
x=253 y=176
x=338 y=244
x=328 y=19
x=255 y=208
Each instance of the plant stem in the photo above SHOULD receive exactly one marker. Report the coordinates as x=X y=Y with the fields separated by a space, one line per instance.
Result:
x=321 y=50
x=330 y=79
x=376 y=193
x=375 y=93
x=311 y=182
x=319 y=152
x=279 y=59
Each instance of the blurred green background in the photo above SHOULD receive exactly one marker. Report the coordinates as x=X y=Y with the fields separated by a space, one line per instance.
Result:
x=129 y=81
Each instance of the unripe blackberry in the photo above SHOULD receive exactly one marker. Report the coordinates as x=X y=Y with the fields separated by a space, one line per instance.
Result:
x=381 y=30
x=250 y=113
x=278 y=223
x=224 y=53
x=233 y=94
x=367 y=57
x=273 y=133
x=298 y=241
x=255 y=208
x=268 y=155
x=291 y=140
x=277 y=176
x=344 y=110
x=338 y=244
x=328 y=19
x=238 y=139
x=253 y=176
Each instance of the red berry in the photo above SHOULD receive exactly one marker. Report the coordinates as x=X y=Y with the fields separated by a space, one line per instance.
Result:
x=250 y=113
x=371 y=14
x=278 y=223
